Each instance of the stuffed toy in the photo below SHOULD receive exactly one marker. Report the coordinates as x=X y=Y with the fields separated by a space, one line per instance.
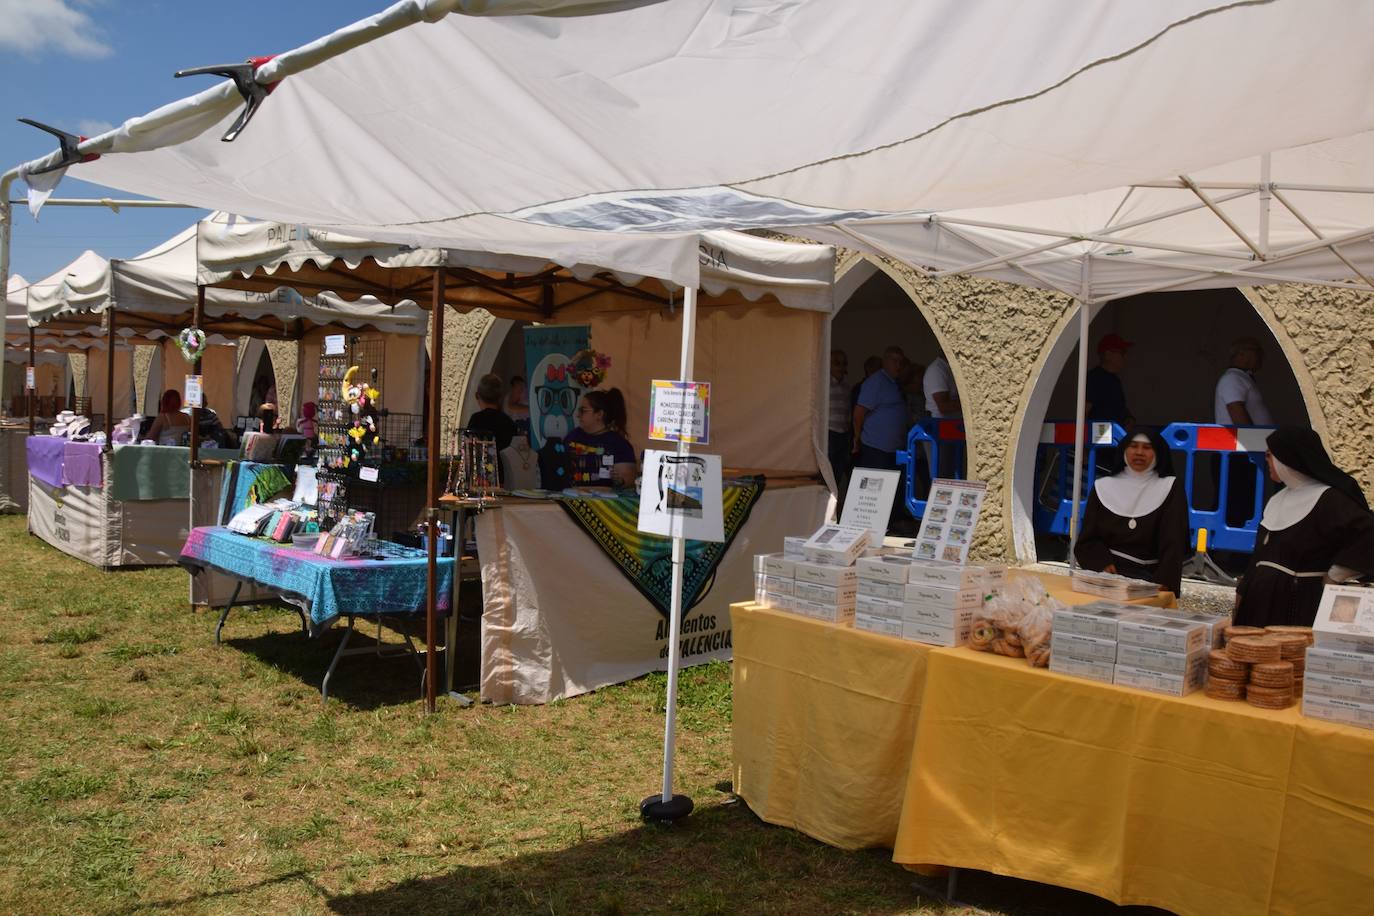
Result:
x=362 y=405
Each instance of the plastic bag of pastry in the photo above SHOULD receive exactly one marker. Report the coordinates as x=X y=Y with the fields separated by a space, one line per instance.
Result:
x=1035 y=633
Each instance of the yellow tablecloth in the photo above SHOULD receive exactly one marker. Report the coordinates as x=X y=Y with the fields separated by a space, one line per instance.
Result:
x=823 y=724
x=1191 y=804
x=825 y=721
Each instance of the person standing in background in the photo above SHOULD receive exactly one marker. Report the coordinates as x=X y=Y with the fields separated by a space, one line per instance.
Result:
x=838 y=422
x=1238 y=402
x=871 y=365
x=518 y=405
x=942 y=398
x=880 y=422
x=1104 y=393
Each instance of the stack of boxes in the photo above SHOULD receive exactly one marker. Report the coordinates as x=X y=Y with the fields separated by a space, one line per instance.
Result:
x=1339 y=672
x=1117 y=643
x=815 y=576
x=922 y=600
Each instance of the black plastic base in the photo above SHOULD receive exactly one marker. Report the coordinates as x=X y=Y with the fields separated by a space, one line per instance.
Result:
x=657 y=811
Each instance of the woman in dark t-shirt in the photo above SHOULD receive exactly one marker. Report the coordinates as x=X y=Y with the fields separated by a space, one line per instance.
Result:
x=598 y=451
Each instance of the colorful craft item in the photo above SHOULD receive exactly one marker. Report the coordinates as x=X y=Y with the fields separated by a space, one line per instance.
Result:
x=192 y=343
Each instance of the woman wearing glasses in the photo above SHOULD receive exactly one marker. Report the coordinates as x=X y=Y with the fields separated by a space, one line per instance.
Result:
x=598 y=451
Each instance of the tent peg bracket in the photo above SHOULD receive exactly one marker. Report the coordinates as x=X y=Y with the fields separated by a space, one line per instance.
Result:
x=69 y=147
x=245 y=81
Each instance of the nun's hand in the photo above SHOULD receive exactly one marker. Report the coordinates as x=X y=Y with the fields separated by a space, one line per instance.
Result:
x=1110 y=568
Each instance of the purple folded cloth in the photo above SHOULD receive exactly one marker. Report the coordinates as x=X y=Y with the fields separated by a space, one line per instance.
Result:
x=45 y=458
x=81 y=465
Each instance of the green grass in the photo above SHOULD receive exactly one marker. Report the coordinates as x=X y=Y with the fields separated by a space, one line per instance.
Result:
x=146 y=769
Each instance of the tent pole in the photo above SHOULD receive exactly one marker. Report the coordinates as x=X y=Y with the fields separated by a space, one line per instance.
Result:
x=109 y=375
x=1080 y=417
x=197 y=316
x=667 y=807
x=436 y=371
x=32 y=396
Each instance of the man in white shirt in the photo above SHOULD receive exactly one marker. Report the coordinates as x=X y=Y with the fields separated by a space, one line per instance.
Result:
x=1238 y=401
x=942 y=398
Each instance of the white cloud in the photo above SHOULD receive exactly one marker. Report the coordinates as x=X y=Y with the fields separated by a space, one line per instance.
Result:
x=91 y=127
x=33 y=27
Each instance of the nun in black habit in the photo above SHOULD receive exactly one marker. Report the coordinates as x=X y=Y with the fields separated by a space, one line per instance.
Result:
x=1136 y=520
x=1317 y=529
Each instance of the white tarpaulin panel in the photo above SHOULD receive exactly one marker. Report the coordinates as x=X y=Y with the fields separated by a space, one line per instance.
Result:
x=559 y=619
x=698 y=114
x=123 y=400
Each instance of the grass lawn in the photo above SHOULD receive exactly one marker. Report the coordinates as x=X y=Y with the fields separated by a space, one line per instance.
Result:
x=147 y=770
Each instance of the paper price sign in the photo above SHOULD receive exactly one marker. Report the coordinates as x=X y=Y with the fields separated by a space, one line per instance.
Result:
x=195 y=392
x=680 y=411
x=334 y=345
x=30 y=381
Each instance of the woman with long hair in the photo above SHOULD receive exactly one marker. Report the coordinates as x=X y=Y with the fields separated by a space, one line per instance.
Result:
x=598 y=450
x=171 y=423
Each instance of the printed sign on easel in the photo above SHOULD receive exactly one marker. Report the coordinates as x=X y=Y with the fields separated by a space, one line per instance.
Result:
x=868 y=501
x=681 y=496
x=951 y=515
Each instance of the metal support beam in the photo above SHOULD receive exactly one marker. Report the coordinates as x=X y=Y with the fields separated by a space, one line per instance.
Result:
x=197 y=316
x=436 y=388
x=109 y=373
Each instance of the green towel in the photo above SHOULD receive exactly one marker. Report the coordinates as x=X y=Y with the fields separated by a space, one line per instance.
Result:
x=150 y=472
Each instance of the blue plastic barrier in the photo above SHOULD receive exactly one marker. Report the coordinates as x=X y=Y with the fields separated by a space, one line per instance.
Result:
x=1198 y=439
x=1053 y=506
x=940 y=443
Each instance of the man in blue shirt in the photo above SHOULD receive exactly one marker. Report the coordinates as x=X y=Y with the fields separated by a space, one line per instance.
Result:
x=880 y=419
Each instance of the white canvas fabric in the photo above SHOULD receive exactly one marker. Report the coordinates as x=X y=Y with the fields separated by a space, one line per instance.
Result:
x=560 y=620
x=676 y=117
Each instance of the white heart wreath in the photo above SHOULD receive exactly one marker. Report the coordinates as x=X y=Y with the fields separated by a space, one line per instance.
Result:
x=191 y=341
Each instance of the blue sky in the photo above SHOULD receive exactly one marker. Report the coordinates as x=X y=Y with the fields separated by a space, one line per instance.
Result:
x=86 y=65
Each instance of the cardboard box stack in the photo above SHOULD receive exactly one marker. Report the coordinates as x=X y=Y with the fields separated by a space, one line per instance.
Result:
x=922 y=600
x=814 y=576
x=1160 y=653
x=1083 y=639
x=1340 y=665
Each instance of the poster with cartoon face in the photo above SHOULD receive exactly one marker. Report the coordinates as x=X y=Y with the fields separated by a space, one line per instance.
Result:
x=553 y=392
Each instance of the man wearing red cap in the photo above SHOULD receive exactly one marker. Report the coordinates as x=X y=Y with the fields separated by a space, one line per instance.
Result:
x=1106 y=396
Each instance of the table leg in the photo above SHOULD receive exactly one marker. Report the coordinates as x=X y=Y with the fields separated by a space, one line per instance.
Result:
x=334 y=662
x=451 y=630
x=928 y=887
x=233 y=599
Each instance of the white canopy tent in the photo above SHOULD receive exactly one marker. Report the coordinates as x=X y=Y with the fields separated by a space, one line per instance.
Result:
x=578 y=123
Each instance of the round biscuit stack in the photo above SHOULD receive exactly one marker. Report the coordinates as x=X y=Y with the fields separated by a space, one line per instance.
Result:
x=1233 y=631
x=1293 y=649
x=1271 y=685
x=1254 y=649
x=1284 y=630
x=1226 y=677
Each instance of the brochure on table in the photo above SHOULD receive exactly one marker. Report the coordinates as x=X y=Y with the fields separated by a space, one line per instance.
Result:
x=1345 y=615
x=681 y=496
x=951 y=515
x=868 y=501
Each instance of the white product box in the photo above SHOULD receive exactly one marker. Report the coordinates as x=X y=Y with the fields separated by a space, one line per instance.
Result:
x=776 y=585
x=1345 y=617
x=825 y=594
x=949 y=575
x=1216 y=626
x=774 y=564
x=930 y=615
x=792 y=547
x=1077 y=667
x=996 y=576
x=1336 y=661
x=1083 y=648
x=940 y=596
x=886 y=607
x=842 y=615
x=1096 y=619
x=780 y=602
x=1159 y=659
x=824 y=574
x=892 y=591
x=1338 y=709
x=886 y=568
x=1157 y=681
x=1162 y=633
x=1339 y=685
x=878 y=623
x=837 y=545
x=935 y=636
